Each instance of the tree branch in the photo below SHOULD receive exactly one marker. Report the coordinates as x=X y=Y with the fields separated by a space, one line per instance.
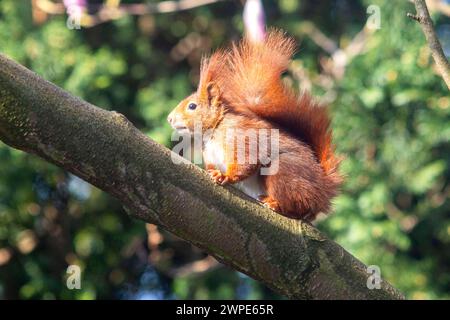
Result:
x=423 y=17
x=105 y=149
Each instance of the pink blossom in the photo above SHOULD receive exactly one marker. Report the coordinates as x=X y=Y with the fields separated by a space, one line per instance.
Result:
x=75 y=4
x=254 y=20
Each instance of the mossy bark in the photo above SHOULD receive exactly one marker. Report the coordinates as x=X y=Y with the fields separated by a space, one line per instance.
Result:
x=105 y=149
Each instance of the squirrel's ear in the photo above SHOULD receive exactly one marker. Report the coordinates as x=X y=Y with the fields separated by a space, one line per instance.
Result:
x=213 y=92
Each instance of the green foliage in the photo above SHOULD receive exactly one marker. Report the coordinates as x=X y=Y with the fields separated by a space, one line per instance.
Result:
x=391 y=118
x=391 y=122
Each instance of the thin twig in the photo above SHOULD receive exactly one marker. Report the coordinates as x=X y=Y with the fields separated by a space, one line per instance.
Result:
x=319 y=38
x=107 y=13
x=195 y=268
x=335 y=63
x=423 y=17
x=414 y=17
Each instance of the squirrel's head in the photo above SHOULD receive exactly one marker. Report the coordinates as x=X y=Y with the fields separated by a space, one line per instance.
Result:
x=204 y=108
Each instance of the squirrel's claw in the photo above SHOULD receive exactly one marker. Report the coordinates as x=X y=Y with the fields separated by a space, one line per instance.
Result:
x=217 y=176
x=225 y=180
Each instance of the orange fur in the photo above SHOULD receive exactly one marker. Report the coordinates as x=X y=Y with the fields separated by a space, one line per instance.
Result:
x=242 y=88
x=253 y=80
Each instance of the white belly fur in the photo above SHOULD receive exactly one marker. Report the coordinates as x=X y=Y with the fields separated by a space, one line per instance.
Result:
x=251 y=186
x=213 y=153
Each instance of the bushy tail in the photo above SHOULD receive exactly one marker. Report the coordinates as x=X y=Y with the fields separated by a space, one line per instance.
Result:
x=253 y=81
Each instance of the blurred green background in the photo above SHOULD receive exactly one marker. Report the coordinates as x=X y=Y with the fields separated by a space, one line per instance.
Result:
x=391 y=118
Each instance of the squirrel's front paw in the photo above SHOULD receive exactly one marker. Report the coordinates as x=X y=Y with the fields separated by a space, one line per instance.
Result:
x=217 y=176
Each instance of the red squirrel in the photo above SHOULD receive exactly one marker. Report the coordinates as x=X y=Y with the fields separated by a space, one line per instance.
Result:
x=241 y=88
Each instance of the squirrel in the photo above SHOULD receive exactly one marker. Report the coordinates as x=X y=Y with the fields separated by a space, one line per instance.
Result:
x=241 y=88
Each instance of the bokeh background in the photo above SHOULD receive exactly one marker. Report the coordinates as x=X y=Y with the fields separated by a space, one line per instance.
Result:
x=391 y=118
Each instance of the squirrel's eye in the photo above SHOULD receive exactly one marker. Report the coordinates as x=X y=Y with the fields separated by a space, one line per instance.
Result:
x=192 y=106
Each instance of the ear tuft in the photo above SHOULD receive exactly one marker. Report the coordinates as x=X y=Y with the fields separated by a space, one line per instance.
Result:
x=213 y=91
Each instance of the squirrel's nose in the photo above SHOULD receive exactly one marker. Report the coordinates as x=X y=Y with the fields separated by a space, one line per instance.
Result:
x=169 y=118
